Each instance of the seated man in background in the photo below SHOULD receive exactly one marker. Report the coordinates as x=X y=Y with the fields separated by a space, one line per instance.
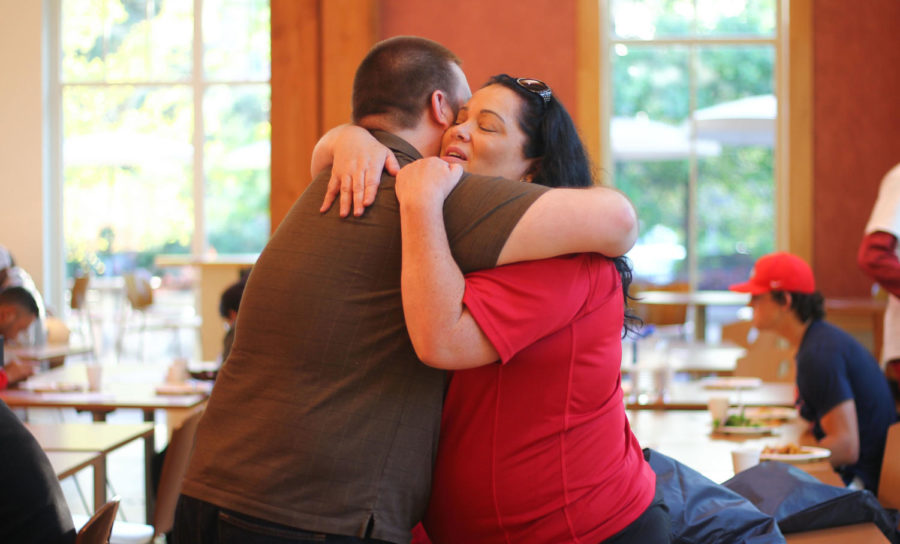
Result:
x=841 y=388
x=229 y=303
x=18 y=310
x=16 y=276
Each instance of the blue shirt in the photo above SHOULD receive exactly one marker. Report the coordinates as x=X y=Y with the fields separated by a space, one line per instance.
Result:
x=833 y=367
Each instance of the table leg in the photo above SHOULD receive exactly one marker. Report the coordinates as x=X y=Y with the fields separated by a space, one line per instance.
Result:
x=99 y=482
x=149 y=452
x=700 y=322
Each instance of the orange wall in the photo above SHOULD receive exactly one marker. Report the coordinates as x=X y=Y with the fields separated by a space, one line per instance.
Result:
x=857 y=130
x=524 y=38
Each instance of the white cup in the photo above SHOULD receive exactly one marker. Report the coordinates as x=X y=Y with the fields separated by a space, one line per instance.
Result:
x=178 y=371
x=744 y=458
x=718 y=409
x=94 y=376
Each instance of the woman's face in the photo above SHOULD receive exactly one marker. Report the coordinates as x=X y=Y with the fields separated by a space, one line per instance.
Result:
x=486 y=138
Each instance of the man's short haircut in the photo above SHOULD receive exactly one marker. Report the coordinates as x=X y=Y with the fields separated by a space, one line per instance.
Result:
x=19 y=296
x=398 y=76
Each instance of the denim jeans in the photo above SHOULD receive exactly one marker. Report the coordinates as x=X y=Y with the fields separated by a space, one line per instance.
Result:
x=199 y=522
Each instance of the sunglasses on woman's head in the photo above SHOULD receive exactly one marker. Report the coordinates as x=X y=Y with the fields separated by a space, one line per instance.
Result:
x=537 y=87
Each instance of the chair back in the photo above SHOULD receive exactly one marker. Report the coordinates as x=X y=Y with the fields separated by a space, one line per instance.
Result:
x=889 y=484
x=770 y=364
x=138 y=290
x=79 y=292
x=174 y=467
x=99 y=526
x=737 y=333
x=662 y=314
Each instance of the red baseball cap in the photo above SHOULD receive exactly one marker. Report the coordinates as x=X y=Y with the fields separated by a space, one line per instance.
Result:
x=778 y=272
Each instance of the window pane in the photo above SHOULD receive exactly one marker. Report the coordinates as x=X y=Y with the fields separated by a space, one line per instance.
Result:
x=736 y=18
x=658 y=190
x=237 y=167
x=736 y=189
x=236 y=40
x=649 y=19
x=126 y=40
x=127 y=170
x=652 y=81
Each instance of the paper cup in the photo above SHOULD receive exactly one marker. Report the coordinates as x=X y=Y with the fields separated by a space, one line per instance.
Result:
x=744 y=458
x=718 y=409
x=94 y=376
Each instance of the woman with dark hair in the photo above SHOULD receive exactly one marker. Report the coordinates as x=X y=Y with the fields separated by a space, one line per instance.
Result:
x=535 y=445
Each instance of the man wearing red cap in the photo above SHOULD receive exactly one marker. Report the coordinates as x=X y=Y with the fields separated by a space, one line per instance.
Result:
x=841 y=388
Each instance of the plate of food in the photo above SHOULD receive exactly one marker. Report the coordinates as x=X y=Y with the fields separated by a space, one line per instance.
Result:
x=740 y=424
x=731 y=382
x=792 y=453
x=780 y=413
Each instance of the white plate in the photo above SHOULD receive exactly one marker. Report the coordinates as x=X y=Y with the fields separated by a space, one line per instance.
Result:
x=731 y=382
x=744 y=429
x=810 y=453
x=770 y=412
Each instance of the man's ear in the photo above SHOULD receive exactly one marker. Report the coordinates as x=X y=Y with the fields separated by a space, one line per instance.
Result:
x=440 y=109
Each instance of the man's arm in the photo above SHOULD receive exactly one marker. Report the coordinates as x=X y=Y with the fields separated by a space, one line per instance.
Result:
x=841 y=434
x=358 y=160
x=877 y=257
x=561 y=221
x=443 y=332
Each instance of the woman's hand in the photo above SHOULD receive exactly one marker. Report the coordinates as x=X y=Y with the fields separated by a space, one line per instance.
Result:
x=357 y=160
x=427 y=182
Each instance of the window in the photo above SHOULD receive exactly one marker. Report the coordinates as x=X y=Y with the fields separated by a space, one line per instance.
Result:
x=165 y=129
x=692 y=117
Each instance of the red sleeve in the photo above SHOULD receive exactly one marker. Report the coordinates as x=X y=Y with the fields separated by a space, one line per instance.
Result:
x=518 y=304
x=877 y=257
x=4 y=379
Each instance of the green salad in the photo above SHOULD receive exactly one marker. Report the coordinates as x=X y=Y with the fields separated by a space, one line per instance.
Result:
x=740 y=420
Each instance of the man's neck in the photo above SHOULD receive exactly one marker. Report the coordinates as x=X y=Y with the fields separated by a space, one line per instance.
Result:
x=793 y=330
x=425 y=138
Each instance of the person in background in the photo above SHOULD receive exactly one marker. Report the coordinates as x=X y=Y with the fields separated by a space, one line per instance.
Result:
x=229 y=303
x=16 y=276
x=841 y=389
x=18 y=310
x=323 y=424
x=33 y=508
x=878 y=257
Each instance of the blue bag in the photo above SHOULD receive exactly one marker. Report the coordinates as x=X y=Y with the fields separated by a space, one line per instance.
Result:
x=800 y=502
x=703 y=511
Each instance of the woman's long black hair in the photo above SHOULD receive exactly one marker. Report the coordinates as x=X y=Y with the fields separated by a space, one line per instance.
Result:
x=560 y=159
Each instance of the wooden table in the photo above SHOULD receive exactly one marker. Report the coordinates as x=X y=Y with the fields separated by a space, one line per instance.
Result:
x=693 y=395
x=688 y=437
x=101 y=438
x=214 y=274
x=696 y=359
x=124 y=386
x=698 y=299
x=68 y=463
x=48 y=351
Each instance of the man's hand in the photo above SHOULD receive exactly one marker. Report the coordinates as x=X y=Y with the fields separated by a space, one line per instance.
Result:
x=17 y=371
x=358 y=160
x=427 y=182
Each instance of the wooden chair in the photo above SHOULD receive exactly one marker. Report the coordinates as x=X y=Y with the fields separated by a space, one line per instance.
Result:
x=669 y=318
x=770 y=364
x=889 y=483
x=78 y=306
x=97 y=528
x=139 y=293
